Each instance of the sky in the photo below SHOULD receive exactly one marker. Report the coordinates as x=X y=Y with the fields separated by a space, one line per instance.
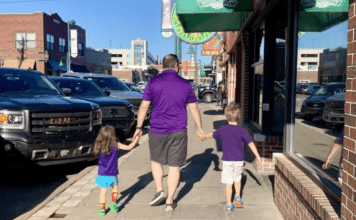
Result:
x=117 y=20
x=124 y=20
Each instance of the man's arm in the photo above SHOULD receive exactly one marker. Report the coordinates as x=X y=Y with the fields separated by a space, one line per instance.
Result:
x=142 y=112
x=197 y=118
x=141 y=116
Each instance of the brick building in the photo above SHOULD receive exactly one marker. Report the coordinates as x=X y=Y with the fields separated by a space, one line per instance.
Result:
x=40 y=41
x=250 y=59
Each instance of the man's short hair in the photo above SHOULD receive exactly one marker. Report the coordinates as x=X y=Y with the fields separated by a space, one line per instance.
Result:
x=233 y=112
x=170 y=61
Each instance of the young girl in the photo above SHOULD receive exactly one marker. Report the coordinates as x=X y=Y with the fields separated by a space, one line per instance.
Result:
x=106 y=146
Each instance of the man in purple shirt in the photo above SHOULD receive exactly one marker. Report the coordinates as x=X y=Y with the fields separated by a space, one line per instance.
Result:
x=169 y=94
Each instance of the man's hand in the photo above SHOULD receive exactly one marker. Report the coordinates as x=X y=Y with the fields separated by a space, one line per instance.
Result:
x=201 y=134
x=138 y=134
x=326 y=165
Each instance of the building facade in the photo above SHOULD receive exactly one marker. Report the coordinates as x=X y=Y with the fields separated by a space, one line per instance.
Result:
x=308 y=65
x=40 y=41
x=140 y=56
x=333 y=65
x=98 y=61
x=120 y=58
x=302 y=189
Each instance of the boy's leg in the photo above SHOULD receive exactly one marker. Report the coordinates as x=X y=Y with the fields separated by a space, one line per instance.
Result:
x=228 y=193
x=237 y=188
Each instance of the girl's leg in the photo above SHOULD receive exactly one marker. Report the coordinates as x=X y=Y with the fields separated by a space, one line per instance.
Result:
x=237 y=189
x=102 y=201
x=114 y=193
x=228 y=193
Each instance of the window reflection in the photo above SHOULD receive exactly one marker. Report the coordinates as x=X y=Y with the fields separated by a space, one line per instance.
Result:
x=320 y=98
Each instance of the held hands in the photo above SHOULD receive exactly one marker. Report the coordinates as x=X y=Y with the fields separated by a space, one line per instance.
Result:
x=201 y=134
x=138 y=134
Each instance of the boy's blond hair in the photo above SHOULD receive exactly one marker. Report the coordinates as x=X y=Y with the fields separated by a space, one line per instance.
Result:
x=233 y=112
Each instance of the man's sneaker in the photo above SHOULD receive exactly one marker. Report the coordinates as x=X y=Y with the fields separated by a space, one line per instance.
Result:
x=157 y=198
x=170 y=207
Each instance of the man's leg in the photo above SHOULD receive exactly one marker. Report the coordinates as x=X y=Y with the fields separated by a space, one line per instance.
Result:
x=172 y=182
x=157 y=173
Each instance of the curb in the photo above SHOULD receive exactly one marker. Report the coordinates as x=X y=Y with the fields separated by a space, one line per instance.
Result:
x=55 y=193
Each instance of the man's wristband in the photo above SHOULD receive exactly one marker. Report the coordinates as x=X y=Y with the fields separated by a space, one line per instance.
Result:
x=139 y=128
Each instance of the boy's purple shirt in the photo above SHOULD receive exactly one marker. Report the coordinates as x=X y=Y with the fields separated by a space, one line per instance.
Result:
x=108 y=163
x=169 y=94
x=233 y=140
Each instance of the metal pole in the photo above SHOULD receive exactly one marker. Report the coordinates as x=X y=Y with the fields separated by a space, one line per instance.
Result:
x=179 y=52
x=291 y=75
x=69 y=48
x=196 y=64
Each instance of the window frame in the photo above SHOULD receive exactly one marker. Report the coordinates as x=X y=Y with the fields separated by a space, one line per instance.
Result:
x=62 y=48
x=25 y=41
x=80 y=50
x=50 y=45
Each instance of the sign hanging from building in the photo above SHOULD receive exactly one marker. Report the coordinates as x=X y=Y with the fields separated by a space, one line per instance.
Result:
x=190 y=38
x=212 y=47
x=166 y=28
x=74 y=42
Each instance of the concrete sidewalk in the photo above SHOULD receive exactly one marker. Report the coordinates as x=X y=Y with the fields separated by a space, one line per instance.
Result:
x=200 y=195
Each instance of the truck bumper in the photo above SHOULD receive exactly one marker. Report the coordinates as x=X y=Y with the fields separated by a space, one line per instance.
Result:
x=333 y=118
x=49 y=151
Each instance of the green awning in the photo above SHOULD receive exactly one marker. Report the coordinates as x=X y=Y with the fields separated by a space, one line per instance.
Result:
x=211 y=15
x=323 y=14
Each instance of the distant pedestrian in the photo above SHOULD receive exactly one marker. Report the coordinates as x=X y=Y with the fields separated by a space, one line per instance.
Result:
x=337 y=147
x=233 y=139
x=170 y=95
x=106 y=146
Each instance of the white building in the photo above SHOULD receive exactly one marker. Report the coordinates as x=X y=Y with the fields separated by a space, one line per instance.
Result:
x=140 y=56
x=120 y=58
x=308 y=59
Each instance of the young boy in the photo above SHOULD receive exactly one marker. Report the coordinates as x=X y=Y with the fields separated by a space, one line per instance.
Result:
x=233 y=139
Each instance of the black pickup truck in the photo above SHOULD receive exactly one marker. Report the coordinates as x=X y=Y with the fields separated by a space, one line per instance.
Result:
x=40 y=124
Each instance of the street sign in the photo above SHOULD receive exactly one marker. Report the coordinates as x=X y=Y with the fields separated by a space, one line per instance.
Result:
x=190 y=38
x=212 y=47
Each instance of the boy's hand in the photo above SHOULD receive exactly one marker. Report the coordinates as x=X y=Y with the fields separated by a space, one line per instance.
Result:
x=326 y=165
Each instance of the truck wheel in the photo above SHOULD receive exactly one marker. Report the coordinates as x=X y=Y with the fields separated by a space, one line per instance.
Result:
x=208 y=98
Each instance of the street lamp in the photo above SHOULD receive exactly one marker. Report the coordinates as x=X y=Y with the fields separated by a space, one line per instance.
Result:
x=71 y=22
x=61 y=63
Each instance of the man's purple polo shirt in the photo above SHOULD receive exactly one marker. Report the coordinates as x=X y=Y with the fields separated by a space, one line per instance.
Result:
x=169 y=94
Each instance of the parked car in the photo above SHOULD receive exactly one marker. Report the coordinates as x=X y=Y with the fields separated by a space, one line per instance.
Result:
x=314 y=104
x=303 y=88
x=142 y=84
x=134 y=87
x=38 y=123
x=118 y=113
x=313 y=89
x=334 y=112
x=116 y=87
x=208 y=93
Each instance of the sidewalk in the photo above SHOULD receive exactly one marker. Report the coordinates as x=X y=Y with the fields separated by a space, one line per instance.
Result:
x=200 y=195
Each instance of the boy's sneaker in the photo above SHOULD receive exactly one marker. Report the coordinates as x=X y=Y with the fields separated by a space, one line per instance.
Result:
x=157 y=198
x=171 y=207
x=238 y=202
x=230 y=208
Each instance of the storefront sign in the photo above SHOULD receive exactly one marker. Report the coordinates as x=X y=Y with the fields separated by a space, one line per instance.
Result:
x=212 y=47
x=166 y=29
x=190 y=38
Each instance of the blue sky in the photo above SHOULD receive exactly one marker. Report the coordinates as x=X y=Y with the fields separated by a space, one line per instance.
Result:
x=118 y=20
x=124 y=20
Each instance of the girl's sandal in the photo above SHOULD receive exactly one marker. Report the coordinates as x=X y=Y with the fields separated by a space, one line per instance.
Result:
x=102 y=212
x=238 y=202
x=114 y=207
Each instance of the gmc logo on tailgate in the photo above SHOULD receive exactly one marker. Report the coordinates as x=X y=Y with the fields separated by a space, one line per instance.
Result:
x=62 y=121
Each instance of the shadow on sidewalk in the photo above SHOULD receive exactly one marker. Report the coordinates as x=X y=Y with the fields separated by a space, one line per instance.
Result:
x=197 y=167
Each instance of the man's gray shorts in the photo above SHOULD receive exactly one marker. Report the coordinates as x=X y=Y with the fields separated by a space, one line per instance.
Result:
x=168 y=149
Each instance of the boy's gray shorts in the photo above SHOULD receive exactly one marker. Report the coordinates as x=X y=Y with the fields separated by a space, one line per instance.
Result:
x=168 y=149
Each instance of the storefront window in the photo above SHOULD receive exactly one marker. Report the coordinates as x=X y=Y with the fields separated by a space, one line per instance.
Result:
x=258 y=78
x=320 y=98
